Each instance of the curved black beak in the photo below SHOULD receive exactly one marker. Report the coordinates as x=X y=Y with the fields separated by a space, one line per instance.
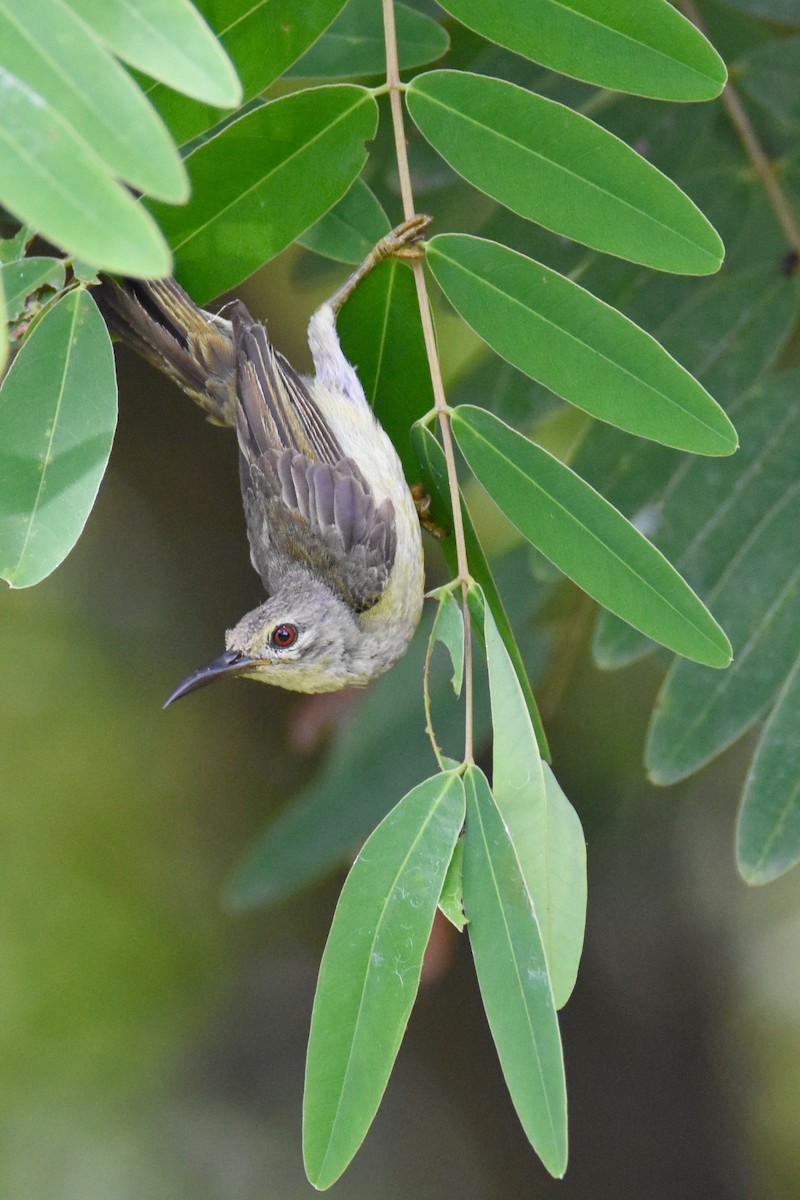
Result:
x=229 y=663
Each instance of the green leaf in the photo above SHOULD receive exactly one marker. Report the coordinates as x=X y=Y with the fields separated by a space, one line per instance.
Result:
x=168 y=40
x=3 y=329
x=14 y=247
x=512 y=973
x=699 y=714
x=238 y=217
x=699 y=521
x=263 y=38
x=542 y=824
x=768 y=76
x=451 y=901
x=25 y=276
x=352 y=227
x=354 y=789
x=381 y=335
x=787 y=11
x=66 y=193
x=355 y=45
x=587 y=538
x=370 y=971
x=448 y=628
x=554 y=166
x=430 y=457
x=58 y=58
x=646 y=48
x=768 y=828
x=576 y=345
x=57 y=418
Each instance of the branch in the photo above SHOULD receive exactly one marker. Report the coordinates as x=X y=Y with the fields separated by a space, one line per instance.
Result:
x=440 y=403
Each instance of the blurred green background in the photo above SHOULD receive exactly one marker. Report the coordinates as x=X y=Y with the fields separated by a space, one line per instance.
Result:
x=153 y=1044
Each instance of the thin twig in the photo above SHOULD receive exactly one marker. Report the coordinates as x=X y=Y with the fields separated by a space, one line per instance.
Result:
x=753 y=148
x=440 y=402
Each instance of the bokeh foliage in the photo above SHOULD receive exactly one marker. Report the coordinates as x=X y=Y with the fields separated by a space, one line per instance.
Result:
x=571 y=173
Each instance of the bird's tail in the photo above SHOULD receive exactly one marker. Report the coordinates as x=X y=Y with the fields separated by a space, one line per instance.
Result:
x=164 y=325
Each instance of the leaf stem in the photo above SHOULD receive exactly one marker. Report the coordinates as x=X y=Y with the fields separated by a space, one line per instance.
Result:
x=395 y=88
x=753 y=148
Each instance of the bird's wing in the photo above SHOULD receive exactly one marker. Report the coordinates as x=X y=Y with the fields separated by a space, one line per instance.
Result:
x=163 y=324
x=305 y=500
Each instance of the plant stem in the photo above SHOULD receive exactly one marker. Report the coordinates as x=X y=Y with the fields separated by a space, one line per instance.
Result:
x=395 y=100
x=753 y=148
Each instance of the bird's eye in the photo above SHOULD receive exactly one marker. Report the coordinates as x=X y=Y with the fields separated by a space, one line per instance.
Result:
x=284 y=636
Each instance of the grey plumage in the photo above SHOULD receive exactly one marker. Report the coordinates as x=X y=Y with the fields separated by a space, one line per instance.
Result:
x=332 y=527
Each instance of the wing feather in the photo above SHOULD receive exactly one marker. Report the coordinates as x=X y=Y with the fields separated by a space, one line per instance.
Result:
x=304 y=499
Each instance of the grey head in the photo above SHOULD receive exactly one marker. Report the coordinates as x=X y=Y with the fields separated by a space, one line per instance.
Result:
x=304 y=638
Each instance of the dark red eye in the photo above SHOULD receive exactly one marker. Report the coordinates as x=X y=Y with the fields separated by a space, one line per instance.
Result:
x=284 y=636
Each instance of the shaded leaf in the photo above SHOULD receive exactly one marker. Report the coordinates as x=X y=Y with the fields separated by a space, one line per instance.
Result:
x=768 y=75
x=262 y=38
x=768 y=828
x=355 y=45
x=787 y=11
x=451 y=901
x=370 y=970
x=434 y=477
x=381 y=334
x=554 y=166
x=25 y=276
x=354 y=790
x=512 y=973
x=587 y=538
x=448 y=628
x=646 y=48
x=3 y=329
x=698 y=714
x=238 y=217
x=57 y=418
x=576 y=345
x=700 y=520
x=352 y=227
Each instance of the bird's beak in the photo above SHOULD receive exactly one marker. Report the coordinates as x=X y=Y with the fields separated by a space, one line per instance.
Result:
x=229 y=663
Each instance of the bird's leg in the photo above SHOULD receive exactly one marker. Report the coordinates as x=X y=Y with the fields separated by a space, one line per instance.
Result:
x=332 y=368
x=399 y=243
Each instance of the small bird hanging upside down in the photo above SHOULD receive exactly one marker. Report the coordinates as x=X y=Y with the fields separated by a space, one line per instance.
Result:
x=333 y=529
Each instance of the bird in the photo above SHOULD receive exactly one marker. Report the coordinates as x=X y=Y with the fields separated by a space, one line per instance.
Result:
x=333 y=528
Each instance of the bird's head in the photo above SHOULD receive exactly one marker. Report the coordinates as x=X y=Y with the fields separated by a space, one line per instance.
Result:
x=304 y=638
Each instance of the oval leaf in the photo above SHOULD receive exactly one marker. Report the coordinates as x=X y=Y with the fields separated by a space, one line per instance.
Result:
x=66 y=193
x=554 y=166
x=512 y=973
x=381 y=335
x=698 y=714
x=352 y=227
x=55 y=54
x=238 y=217
x=27 y=275
x=430 y=457
x=3 y=328
x=542 y=824
x=646 y=48
x=168 y=40
x=355 y=43
x=262 y=38
x=579 y=347
x=587 y=538
x=58 y=408
x=370 y=970
x=768 y=828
